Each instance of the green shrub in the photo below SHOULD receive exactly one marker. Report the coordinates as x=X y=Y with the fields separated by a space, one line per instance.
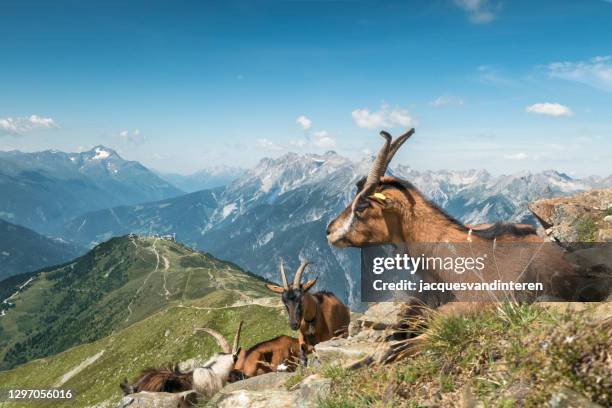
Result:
x=586 y=229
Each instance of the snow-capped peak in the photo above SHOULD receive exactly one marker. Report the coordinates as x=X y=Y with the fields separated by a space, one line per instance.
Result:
x=101 y=154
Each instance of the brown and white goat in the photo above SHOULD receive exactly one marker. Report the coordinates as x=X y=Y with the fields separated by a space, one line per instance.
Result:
x=206 y=380
x=388 y=210
x=319 y=316
x=278 y=354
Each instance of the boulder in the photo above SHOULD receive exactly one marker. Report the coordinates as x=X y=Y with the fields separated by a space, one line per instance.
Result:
x=146 y=399
x=348 y=351
x=381 y=315
x=259 y=383
x=605 y=235
x=562 y=216
x=566 y=398
x=308 y=393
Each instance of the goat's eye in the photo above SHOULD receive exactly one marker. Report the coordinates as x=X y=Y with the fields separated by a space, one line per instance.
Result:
x=362 y=205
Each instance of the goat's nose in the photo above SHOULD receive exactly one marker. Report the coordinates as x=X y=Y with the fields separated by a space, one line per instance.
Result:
x=328 y=230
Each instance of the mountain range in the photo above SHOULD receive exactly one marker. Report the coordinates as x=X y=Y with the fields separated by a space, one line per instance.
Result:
x=43 y=190
x=23 y=250
x=280 y=209
x=212 y=177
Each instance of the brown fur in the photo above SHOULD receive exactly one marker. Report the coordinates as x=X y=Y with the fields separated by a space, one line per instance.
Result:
x=406 y=216
x=329 y=316
x=266 y=356
x=159 y=380
x=324 y=316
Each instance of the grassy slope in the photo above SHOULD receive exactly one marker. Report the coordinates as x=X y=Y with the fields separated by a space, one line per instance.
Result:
x=115 y=285
x=161 y=339
x=505 y=358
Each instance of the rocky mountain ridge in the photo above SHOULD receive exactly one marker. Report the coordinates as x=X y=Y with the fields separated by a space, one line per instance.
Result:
x=280 y=210
x=42 y=190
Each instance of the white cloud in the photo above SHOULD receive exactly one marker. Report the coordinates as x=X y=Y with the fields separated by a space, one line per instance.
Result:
x=267 y=144
x=323 y=139
x=384 y=118
x=134 y=136
x=517 y=156
x=446 y=100
x=17 y=126
x=304 y=122
x=551 y=109
x=479 y=11
x=596 y=72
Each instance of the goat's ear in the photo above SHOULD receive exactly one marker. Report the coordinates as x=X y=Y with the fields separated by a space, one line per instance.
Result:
x=382 y=200
x=309 y=284
x=275 y=288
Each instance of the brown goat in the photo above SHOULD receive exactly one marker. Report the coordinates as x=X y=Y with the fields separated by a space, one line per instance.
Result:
x=267 y=356
x=159 y=380
x=319 y=316
x=390 y=210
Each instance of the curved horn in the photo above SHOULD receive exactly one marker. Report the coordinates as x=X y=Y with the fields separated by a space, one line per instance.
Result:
x=237 y=338
x=396 y=144
x=217 y=336
x=377 y=169
x=298 y=274
x=283 y=276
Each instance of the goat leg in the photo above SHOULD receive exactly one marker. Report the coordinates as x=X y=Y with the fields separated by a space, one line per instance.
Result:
x=304 y=355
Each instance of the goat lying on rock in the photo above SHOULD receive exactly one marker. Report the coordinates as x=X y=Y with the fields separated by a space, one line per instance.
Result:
x=206 y=380
x=319 y=316
x=278 y=354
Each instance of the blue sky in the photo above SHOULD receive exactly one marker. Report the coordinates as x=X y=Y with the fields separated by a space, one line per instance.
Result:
x=501 y=85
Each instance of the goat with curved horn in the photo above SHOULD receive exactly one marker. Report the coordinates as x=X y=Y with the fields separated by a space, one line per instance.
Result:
x=340 y=231
x=319 y=316
x=389 y=210
x=206 y=379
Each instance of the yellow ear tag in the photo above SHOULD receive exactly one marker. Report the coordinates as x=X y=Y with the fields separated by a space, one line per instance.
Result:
x=378 y=197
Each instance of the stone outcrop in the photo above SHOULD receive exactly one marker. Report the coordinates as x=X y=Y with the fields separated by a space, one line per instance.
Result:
x=581 y=217
x=159 y=400
x=269 y=390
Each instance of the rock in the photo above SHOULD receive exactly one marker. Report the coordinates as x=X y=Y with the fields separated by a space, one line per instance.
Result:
x=566 y=398
x=561 y=216
x=381 y=315
x=159 y=400
x=307 y=393
x=260 y=383
x=348 y=351
x=312 y=389
x=605 y=235
x=608 y=219
x=255 y=399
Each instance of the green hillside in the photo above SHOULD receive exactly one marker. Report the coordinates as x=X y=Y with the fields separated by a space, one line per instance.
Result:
x=94 y=370
x=18 y=244
x=118 y=283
